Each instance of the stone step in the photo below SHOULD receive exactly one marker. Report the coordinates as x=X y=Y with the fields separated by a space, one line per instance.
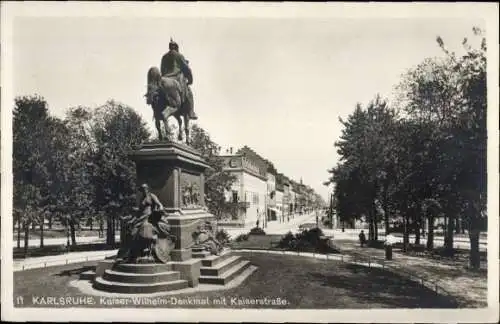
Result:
x=221 y=267
x=227 y=276
x=87 y=275
x=198 y=249
x=138 y=288
x=201 y=255
x=126 y=277
x=142 y=268
x=213 y=260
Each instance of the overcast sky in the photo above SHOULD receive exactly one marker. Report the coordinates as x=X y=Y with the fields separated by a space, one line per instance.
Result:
x=276 y=85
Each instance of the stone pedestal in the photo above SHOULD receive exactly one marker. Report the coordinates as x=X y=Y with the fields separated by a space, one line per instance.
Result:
x=174 y=172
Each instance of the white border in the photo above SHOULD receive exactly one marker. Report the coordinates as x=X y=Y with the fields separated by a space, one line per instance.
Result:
x=489 y=12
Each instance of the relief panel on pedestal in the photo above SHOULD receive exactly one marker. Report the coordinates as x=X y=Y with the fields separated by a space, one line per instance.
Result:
x=190 y=191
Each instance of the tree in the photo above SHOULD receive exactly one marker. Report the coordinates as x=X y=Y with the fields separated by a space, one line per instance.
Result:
x=30 y=152
x=364 y=147
x=449 y=94
x=217 y=181
x=116 y=130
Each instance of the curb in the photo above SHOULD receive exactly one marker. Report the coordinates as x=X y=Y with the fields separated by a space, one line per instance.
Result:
x=65 y=261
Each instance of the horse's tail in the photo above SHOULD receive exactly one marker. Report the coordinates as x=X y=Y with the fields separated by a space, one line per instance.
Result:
x=154 y=76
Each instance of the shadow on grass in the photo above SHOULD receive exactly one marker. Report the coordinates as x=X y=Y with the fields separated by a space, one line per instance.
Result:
x=74 y=272
x=373 y=285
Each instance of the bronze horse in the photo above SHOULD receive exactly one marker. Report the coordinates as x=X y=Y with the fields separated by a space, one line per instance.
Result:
x=167 y=99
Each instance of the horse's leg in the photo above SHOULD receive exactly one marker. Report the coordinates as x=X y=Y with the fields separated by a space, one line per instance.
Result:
x=158 y=128
x=179 y=122
x=165 y=124
x=186 y=128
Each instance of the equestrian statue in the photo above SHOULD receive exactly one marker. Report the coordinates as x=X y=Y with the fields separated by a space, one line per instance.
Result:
x=169 y=92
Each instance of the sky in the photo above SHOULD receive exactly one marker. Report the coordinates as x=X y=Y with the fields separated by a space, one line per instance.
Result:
x=276 y=85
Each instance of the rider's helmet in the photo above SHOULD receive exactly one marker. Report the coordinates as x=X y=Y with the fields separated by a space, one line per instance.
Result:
x=173 y=45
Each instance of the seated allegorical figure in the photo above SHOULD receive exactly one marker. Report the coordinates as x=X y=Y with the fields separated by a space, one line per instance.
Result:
x=146 y=230
x=204 y=237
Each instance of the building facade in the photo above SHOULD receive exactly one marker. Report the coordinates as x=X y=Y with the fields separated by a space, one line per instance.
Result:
x=279 y=203
x=272 y=211
x=247 y=196
x=260 y=194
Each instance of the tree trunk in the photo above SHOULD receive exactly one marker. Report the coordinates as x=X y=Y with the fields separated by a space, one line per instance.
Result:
x=110 y=233
x=474 y=257
x=122 y=231
x=448 y=238
x=109 y=230
x=26 y=238
x=72 y=232
x=406 y=234
x=19 y=232
x=91 y=223
x=458 y=223
x=417 y=233
x=386 y=219
x=430 y=233
x=42 y=224
x=371 y=230
x=49 y=225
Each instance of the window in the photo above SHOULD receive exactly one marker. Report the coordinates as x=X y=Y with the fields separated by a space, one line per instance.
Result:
x=235 y=196
x=255 y=198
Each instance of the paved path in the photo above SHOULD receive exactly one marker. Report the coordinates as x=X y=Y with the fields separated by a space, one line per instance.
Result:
x=62 y=241
x=469 y=287
x=67 y=258
x=276 y=227
x=460 y=243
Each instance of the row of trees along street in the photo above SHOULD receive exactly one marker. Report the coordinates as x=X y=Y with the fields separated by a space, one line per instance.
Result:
x=75 y=170
x=423 y=156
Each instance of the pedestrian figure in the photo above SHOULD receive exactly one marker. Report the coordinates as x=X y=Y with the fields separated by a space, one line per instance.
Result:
x=362 y=238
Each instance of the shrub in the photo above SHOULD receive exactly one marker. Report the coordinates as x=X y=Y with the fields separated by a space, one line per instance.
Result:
x=222 y=236
x=310 y=237
x=257 y=231
x=286 y=241
x=241 y=238
x=308 y=240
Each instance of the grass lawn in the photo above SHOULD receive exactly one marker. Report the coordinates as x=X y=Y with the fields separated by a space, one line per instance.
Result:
x=470 y=287
x=257 y=242
x=302 y=282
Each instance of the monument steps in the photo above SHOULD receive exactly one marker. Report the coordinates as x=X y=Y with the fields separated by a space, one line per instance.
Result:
x=138 y=288
x=125 y=277
x=221 y=267
x=213 y=260
x=227 y=276
x=198 y=249
x=200 y=255
x=142 y=267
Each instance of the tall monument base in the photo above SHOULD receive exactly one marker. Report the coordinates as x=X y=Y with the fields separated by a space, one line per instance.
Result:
x=175 y=174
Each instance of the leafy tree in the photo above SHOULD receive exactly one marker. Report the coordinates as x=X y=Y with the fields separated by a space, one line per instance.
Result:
x=29 y=155
x=217 y=181
x=116 y=129
x=447 y=97
x=365 y=148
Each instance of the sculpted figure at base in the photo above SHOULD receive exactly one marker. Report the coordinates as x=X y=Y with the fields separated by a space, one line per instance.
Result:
x=169 y=93
x=204 y=237
x=147 y=235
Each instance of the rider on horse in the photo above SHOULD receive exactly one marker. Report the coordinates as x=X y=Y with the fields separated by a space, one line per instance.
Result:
x=174 y=65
